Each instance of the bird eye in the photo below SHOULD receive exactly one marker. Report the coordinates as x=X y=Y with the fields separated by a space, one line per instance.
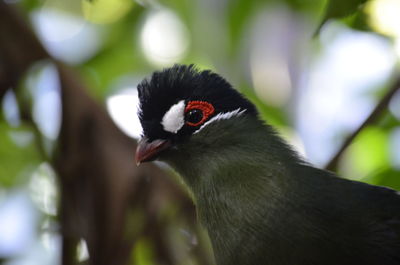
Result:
x=197 y=112
x=193 y=116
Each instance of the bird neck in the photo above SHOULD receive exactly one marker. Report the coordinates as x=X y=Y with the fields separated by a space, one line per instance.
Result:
x=234 y=168
x=237 y=151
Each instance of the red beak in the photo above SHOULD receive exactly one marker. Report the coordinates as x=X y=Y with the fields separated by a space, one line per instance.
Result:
x=148 y=151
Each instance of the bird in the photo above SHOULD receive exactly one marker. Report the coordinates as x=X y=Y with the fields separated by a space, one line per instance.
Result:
x=259 y=200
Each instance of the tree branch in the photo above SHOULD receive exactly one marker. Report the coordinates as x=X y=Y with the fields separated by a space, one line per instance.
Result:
x=375 y=114
x=19 y=47
x=101 y=187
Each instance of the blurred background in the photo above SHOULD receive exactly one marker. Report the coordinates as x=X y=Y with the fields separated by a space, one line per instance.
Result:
x=70 y=192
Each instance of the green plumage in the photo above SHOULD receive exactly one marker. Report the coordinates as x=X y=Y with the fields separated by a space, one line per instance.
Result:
x=259 y=201
x=262 y=204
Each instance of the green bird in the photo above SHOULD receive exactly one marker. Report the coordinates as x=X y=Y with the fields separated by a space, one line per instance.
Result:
x=261 y=203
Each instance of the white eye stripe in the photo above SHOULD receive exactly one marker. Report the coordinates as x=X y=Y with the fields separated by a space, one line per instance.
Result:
x=222 y=116
x=174 y=119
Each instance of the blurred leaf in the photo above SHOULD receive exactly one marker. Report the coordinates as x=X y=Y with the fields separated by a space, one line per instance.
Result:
x=120 y=55
x=388 y=122
x=29 y=5
x=17 y=154
x=360 y=22
x=143 y=253
x=338 y=9
x=240 y=13
x=108 y=66
x=273 y=116
x=388 y=178
x=368 y=154
x=106 y=11
x=185 y=9
x=308 y=6
x=72 y=7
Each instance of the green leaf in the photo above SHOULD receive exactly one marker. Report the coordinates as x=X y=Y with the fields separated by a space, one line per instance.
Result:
x=185 y=9
x=240 y=13
x=29 y=5
x=273 y=116
x=143 y=252
x=105 y=11
x=120 y=55
x=388 y=178
x=339 y=9
x=18 y=154
x=368 y=155
x=308 y=6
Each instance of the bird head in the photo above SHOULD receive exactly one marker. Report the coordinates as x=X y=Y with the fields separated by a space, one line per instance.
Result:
x=178 y=103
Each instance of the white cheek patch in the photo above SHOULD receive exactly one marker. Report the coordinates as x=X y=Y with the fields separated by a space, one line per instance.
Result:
x=222 y=116
x=173 y=119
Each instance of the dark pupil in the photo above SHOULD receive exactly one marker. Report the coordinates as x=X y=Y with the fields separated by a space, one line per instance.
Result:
x=194 y=116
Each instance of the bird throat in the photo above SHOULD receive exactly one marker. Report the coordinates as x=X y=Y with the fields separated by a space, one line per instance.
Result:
x=233 y=170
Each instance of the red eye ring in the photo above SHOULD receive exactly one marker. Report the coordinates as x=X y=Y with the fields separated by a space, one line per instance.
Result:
x=206 y=108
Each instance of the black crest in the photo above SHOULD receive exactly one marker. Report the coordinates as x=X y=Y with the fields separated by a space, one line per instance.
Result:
x=181 y=82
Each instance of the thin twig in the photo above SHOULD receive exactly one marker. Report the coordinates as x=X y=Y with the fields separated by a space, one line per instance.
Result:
x=379 y=109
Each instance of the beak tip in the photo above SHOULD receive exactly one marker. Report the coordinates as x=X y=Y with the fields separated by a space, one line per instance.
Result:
x=148 y=151
x=138 y=161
